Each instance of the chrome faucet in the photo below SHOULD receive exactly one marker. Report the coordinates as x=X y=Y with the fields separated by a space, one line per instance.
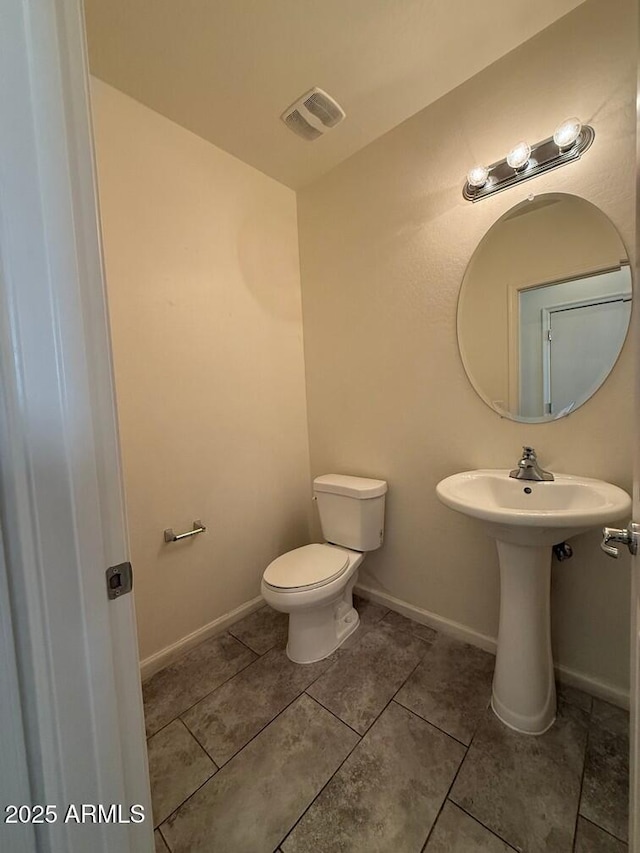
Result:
x=528 y=468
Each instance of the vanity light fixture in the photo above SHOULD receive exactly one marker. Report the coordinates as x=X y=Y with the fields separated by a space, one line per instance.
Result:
x=519 y=156
x=569 y=141
x=477 y=177
x=566 y=133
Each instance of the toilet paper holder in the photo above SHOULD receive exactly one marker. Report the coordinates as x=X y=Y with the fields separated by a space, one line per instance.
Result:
x=170 y=536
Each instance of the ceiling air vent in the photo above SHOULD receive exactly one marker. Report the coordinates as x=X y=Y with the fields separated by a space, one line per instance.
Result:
x=313 y=114
x=296 y=122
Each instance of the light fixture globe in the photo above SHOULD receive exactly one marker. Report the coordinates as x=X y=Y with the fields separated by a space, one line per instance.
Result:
x=567 y=133
x=478 y=176
x=519 y=156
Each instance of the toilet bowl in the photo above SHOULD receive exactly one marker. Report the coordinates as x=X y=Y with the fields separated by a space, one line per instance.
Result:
x=314 y=583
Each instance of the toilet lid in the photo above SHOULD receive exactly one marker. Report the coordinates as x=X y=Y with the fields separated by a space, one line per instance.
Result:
x=311 y=565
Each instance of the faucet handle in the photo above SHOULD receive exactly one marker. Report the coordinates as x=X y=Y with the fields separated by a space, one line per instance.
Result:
x=528 y=452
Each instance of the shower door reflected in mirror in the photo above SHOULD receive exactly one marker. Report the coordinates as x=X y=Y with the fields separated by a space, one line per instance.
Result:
x=544 y=308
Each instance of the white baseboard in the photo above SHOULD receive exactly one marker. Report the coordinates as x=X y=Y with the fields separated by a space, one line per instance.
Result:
x=425 y=617
x=149 y=666
x=594 y=686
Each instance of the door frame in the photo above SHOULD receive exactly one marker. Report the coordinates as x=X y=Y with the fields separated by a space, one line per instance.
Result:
x=634 y=687
x=74 y=727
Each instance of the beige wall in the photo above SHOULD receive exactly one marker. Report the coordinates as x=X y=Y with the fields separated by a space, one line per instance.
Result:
x=204 y=292
x=385 y=239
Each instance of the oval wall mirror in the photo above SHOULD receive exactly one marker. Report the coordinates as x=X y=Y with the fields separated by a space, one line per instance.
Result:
x=544 y=308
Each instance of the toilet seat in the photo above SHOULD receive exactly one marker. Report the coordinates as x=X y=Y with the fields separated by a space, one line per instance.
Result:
x=306 y=568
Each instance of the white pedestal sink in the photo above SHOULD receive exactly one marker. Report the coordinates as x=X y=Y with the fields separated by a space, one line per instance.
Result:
x=526 y=518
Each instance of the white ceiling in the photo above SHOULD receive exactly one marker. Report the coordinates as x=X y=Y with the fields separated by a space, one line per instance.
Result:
x=226 y=69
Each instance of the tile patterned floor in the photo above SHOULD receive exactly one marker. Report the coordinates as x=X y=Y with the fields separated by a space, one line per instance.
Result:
x=388 y=746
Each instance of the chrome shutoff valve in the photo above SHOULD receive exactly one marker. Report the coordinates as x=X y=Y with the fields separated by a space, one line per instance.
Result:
x=628 y=537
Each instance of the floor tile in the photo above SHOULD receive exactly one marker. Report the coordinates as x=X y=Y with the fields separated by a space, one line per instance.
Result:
x=262 y=630
x=605 y=788
x=456 y=832
x=369 y=611
x=525 y=788
x=386 y=795
x=573 y=696
x=451 y=688
x=397 y=620
x=592 y=839
x=364 y=679
x=610 y=717
x=228 y=718
x=370 y=614
x=161 y=847
x=177 y=767
x=174 y=689
x=254 y=800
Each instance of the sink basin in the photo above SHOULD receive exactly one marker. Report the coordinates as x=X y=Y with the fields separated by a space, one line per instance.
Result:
x=531 y=512
x=527 y=517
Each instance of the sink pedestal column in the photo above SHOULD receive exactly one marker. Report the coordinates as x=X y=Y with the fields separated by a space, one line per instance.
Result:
x=524 y=690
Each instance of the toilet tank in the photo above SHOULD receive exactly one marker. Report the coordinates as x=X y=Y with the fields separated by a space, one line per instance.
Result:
x=351 y=510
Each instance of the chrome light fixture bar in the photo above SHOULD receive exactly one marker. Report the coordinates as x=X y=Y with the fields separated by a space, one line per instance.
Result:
x=521 y=164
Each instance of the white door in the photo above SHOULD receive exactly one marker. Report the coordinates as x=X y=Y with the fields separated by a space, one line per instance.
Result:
x=575 y=329
x=72 y=734
x=582 y=342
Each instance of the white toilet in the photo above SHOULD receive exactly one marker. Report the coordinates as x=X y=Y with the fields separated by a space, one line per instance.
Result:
x=314 y=584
